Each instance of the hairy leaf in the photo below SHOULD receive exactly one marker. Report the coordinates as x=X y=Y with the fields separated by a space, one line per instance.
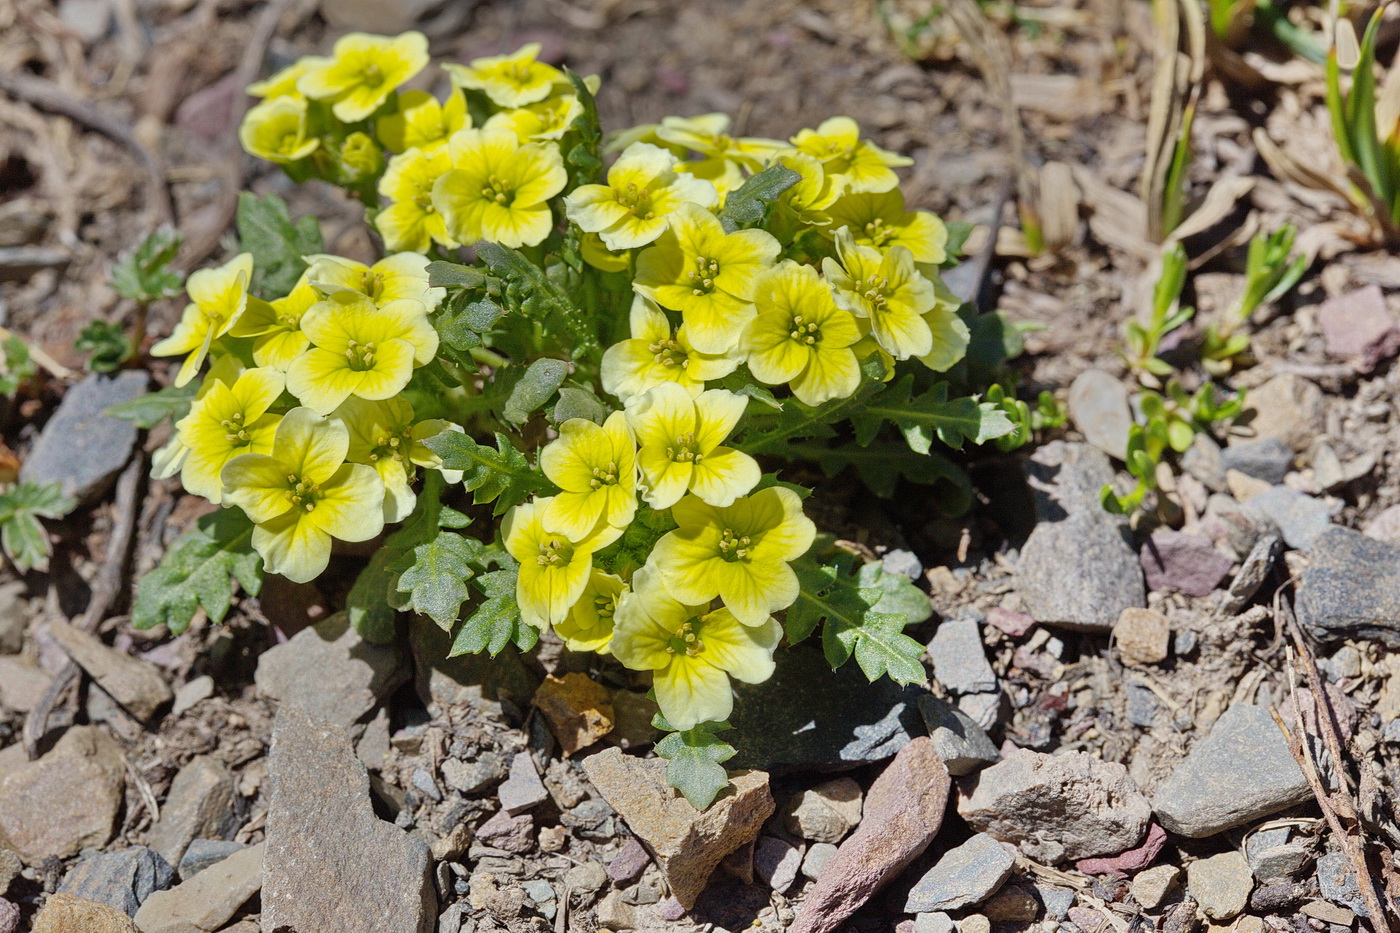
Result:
x=265 y=229
x=144 y=274
x=694 y=762
x=106 y=344
x=21 y=534
x=920 y=417
x=150 y=410
x=443 y=274
x=436 y=577
x=496 y=621
x=542 y=379
x=198 y=570
x=747 y=206
x=15 y=364
x=502 y=475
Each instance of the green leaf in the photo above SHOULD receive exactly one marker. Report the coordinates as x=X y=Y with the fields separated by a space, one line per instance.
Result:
x=144 y=274
x=265 y=229
x=958 y=232
x=694 y=762
x=107 y=345
x=920 y=417
x=496 y=621
x=443 y=274
x=576 y=403
x=502 y=475
x=542 y=379
x=22 y=536
x=15 y=364
x=196 y=572
x=150 y=410
x=436 y=577
x=462 y=328
x=747 y=206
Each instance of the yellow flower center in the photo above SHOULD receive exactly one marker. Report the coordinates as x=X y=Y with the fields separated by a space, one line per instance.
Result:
x=497 y=189
x=604 y=476
x=360 y=355
x=391 y=445
x=805 y=332
x=372 y=283
x=302 y=492
x=686 y=641
x=877 y=232
x=554 y=552
x=288 y=142
x=237 y=430
x=873 y=289
x=372 y=75
x=636 y=200
x=605 y=606
x=684 y=450
x=702 y=277
x=289 y=319
x=734 y=546
x=669 y=353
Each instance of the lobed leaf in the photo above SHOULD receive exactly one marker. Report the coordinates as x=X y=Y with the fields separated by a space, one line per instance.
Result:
x=266 y=230
x=198 y=571
x=694 y=762
x=501 y=475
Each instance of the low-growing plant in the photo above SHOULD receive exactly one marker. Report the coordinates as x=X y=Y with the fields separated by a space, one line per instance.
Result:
x=1143 y=341
x=1366 y=122
x=585 y=423
x=22 y=535
x=1269 y=275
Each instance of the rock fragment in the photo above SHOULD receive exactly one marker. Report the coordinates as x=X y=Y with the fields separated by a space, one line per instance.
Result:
x=825 y=813
x=1220 y=884
x=1288 y=408
x=1241 y=772
x=903 y=811
x=330 y=672
x=1268 y=459
x=135 y=684
x=964 y=876
x=1098 y=404
x=81 y=448
x=579 y=710
x=67 y=913
x=1057 y=807
x=686 y=843
x=1351 y=590
x=202 y=853
x=1253 y=572
x=776 y=862
x=523 y=789
x=1089 y=592
x=959 y=741
x=959 y=658
x=1152 y=886
x=1184 y=562
x=77 y=787
x=1357 y=327
x=119 y=879
x=1300 y=518
x=205 y=902
x=1142 y=636
x=200 y=804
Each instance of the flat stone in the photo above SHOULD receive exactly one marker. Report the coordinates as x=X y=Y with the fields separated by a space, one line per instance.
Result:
x=825 y=813
x=1012 y=623
x=330 y=672
x=208 y=900
x=905 y=563
x=10 y=868
x=1057 y=807
x=1142 y=636
x=1235 y=526
x=776 y=862
x=1079 y=573
x=686 y=843
x=1337 y=883
x=477 y=680
x=1066 y=477
x=331 y=864
x=934 y=922
x=959 y=741
x=1288 y=408
x=1184 y=562
x=1268 y=459
x=135 y=684
x=807 y=716
x=818 y=854
x=964 y=876
x=80 y=447
x=1220 y=884
x=1239 y=773
x=985 y=709
x=192 y=694
x=1300 y=518
x=1329 y=913
x=1204 y=460
x=511 y=833
x=1271 y=860
x=1141 y=704
x=904 y=809
x=578 y=709
x=1253 y=572
x=67 y=913
x=1152 y=886
x=1351 y=589
x=119 y=879
x=65 y=801
x=629 y=863
x=1129 y=863
x=1056 y=901
x=959 y=659
x=523 y=789
x=373 y=746
x=200 y=804
x=1098 y=405
x=202 y=853
x=1359 y=328
x=1013 y=903
x=476 y=776
x=22 y=684
x=632 y=718
x=1385 y=526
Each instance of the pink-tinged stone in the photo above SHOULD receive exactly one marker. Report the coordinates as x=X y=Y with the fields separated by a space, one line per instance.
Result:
x=1087 y=919
x=903 y=810
x=511 y=833
x=1012 y=623
x=1130 y=862
x=208 y=112
x=1181 y=561
x=1341 y=704
x=1359 y=327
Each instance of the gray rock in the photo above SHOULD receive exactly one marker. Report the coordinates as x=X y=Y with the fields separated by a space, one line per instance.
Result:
x=1253 y=572
x=627 y=866
x=806 y=715
x=473 y=777
x=1184 y=642
x=1337 y=883
x=477 y=680
x=1272 y=856
x=201 y=853
x=985 y=709
x=1181 y=561
x=1152 y=885
x=331 y=673
x=135 y=684
x=934 y=922
x=1056 y=901
x=1079 y=573
x=1220 y=884
x=192 y=694
x=119 y=879
x=1098 y=404
x=904 y=563
x=959 y=660
x=964 y=876
x=1204 y=461
x=22 y=683
x=81 y=448
x=825 y=813
x=1351 y=590
x=1241 y=772
x=1229 y=523
x=959 y=741
x=200 y=803
x=511 y=833
x=818 y=854
x=1287 y=408
x=14 y=616
x=1300 y=518
x=77 y=787
x=331 y=864
x=1057 y=807
x=1066 y=478
x=1142 y=705
x=776 y=862
x=1268 y=459
x=523 y=789
x=10 y=867
x=209 y=899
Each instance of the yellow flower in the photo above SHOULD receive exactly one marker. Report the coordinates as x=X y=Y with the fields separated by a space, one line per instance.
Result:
x=548 y=119
x=950 y=333
x=423 y=123
x=642 y=193
x=801 y=337
x=384 y=435
x=856 y=164
x=655 y=355
x=228 y=420
x=739 y=553
x=277 y=130
x=598 y=256
x=724 y=175
x=554 y=569
x=275 y=326
x=708 y=136
x=509 y=80
x=411 y=222
x=303 y=494
x=363 y=71
x=284 y=82
x=678 y=440
x=596 y=469
x=393 y=278
x=693 y=652
x=359 y=349
x=499 y=190
x=167 y=461
x=218 y=297
x=589 y=625
x=887 y=289
x=880 y=220
x=805 y=203
x=360 y=157
x=706 y=274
